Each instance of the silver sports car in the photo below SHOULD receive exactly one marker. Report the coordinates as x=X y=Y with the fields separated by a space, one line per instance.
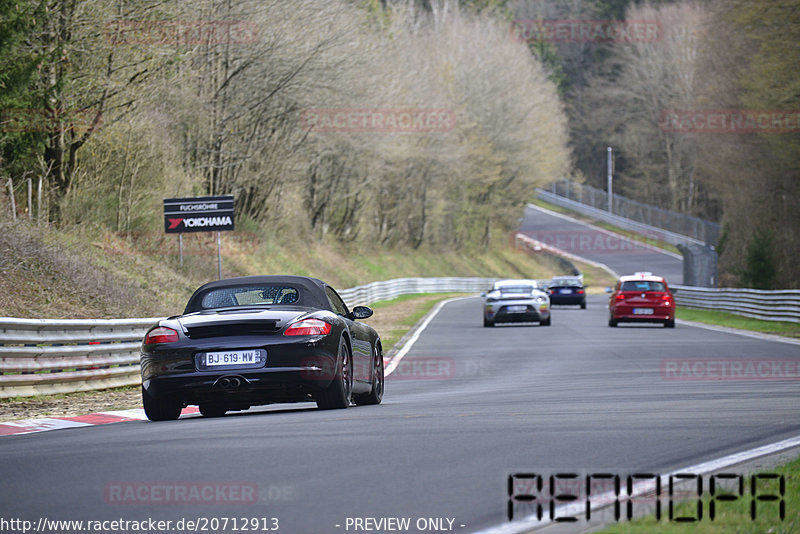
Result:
x=516 y=301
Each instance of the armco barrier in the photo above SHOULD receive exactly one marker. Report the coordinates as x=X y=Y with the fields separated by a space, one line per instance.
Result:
x=780 y=305
x=45 y=356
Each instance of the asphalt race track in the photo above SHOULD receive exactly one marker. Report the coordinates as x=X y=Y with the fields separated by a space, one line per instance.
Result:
x=467 y=406
x=624 y=256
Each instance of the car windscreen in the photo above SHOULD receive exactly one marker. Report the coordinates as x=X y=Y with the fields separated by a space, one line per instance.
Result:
x=643 y=285
x=251 y=295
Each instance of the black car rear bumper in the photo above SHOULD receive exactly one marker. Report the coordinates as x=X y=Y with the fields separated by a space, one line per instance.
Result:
x=567 y=299
x=293 y=372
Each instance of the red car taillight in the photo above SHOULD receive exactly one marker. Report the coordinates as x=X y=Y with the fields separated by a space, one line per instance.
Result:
x=580 y=292
x=620 y=296
x=308 y=327
x=160 y=334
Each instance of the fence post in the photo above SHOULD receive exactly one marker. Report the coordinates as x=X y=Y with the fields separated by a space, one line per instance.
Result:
x=11 y=196
x=30 y=199
x=39 y=203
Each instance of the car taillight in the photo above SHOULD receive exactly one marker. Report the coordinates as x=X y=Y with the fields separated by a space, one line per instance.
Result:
x=667 y=298
x=620 y=297
x=160 y=334
x=308 y=327
x=580 y=292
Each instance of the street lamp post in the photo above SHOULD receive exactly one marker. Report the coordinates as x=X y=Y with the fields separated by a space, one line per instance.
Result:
x=610 y=185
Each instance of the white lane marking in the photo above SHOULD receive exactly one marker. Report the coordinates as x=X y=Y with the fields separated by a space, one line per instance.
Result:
x=415 y=336
x=740 y=332
x=604 y=231
x=576 y=509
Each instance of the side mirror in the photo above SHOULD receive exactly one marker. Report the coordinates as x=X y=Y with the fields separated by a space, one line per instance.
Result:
x=362 y=312
x=609 y=290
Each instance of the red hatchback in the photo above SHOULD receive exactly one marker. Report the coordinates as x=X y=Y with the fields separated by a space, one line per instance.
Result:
x=641 y=298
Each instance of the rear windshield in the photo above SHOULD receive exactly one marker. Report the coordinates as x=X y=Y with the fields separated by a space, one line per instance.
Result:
x=226 y=297
x=643 y=285
x=566 y=282
x=516 y=289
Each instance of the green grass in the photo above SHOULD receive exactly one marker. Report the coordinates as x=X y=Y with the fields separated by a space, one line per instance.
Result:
x=730 y=516
x=94 y=274
x=738 y=321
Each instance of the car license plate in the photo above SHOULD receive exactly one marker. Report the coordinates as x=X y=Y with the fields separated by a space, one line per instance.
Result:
x=566 y=291
x=517 y=309
x=643 y=311
x=232 y=357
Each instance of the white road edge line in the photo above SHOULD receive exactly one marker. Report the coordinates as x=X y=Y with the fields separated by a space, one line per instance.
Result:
x=531 y=522
x=410 y=343
x=607 y=232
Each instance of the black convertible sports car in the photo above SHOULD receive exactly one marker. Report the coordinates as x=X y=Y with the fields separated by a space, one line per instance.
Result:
x=258 y=340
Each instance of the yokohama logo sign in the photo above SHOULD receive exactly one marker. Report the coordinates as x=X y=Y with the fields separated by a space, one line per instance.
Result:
x=200 y=214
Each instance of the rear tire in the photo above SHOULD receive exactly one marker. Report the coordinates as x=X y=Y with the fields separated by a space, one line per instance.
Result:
x=376 y=395
x=612 y=322
x=546 y=322
x=157 y=409
x=669 y=324
x=583 y=305
x=487 y=322
x=212 y=410
x=337 y=395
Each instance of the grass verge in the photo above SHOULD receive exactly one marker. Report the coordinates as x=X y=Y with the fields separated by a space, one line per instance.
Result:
x=731 y=515
x=73 y=273
x=732 y=320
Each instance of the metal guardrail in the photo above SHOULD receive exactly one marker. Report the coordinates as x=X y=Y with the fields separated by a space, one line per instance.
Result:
x=45 y=356
x=389 y=289
x=780 y=305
